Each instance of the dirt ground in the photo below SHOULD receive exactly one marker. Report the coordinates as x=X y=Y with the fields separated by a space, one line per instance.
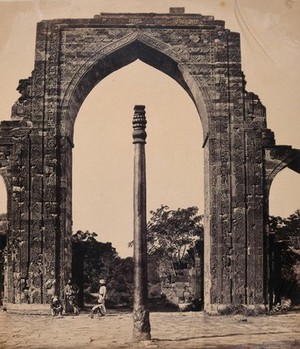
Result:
x=168 y=330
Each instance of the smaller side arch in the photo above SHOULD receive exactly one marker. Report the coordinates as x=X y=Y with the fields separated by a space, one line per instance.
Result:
x=276 y=158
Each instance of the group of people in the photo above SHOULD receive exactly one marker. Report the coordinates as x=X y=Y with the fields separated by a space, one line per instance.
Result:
x=71 y=291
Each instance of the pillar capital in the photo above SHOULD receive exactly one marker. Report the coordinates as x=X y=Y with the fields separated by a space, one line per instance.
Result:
x=139 y=124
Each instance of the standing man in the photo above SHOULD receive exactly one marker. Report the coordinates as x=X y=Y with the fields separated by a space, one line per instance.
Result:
x=101 y=300
x=71 y=294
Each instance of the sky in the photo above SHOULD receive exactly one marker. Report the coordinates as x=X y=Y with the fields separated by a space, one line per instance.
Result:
x=103 y=152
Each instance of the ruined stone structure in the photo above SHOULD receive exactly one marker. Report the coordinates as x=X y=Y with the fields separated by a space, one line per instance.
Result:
x=241 y=158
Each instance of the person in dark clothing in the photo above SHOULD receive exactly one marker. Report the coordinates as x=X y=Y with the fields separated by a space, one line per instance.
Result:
x=71 y=292
x=56 y=306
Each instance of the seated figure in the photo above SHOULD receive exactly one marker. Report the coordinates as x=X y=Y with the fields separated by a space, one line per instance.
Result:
x=56 y=306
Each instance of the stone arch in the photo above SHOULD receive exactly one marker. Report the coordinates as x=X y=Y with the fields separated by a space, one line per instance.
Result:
x=119 y=54
x=278 y=158
x=283 y=197
x=240 y=154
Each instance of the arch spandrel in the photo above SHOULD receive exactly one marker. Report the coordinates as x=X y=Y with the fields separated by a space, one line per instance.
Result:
x=114 y=56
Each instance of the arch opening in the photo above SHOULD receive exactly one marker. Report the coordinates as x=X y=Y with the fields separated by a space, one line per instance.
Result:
x=284 y=208
x=284 y=198
x=173 y=151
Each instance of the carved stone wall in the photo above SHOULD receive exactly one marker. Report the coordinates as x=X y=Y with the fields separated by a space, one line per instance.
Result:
x=72 y=56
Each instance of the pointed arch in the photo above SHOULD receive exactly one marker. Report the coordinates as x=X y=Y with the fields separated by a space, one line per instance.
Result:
x=278 y=158
x=121 y=53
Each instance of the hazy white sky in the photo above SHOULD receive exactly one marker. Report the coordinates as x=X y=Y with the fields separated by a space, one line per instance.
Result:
x=103 y=153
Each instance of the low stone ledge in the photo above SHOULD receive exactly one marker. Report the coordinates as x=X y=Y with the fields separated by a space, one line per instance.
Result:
x=234 y=309
x=28 y=309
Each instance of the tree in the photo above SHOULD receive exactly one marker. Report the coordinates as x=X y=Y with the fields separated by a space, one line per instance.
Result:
x=171 y=234
x=286 y=255
x=92 y=260
x=286 y=228
x=121 y=284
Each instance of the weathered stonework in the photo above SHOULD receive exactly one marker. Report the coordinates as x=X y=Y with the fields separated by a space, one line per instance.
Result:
x=241 y=158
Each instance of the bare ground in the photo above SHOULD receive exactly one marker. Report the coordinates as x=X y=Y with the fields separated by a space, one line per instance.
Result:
x=168 y=330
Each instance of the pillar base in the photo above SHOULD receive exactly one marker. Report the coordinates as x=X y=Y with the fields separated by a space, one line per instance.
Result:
x=227 y=309
x=141 y=325
x=141 y=337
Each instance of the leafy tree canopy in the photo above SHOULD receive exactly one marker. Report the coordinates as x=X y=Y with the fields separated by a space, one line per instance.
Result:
x=173 y=230
x=285 y=228
x=92 y=260
x=98 y=259
x=172 y=233
x=287 y=240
